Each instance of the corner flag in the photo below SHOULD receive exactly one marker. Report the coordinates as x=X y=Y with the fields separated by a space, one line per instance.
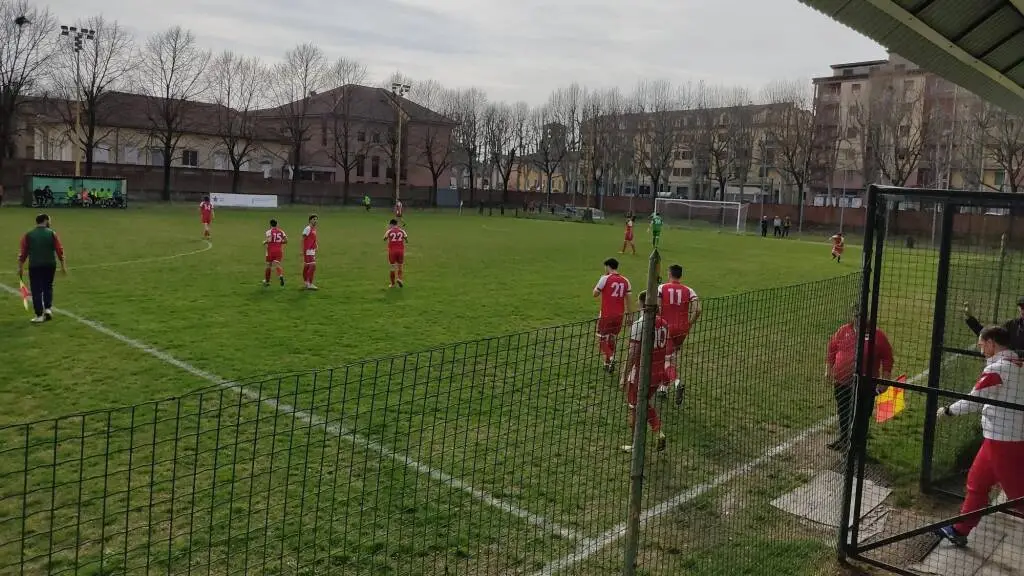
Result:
x=25 y=297
x=891 y=402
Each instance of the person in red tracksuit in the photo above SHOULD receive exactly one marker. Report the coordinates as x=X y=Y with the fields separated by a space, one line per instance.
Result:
x=1000 y=461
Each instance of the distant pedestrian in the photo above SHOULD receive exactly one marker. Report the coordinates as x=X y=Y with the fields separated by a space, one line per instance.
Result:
x=42 y=249
x=786 y=225
x=777 y=225
x=764 y=226
x=1000 y=461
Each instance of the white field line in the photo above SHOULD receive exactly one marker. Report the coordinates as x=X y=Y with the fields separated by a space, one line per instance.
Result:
x=335 y=429
x=209 y=246
x=591 y=546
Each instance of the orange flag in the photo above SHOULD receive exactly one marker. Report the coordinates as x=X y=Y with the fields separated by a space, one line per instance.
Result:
x=891 y=402
x=25 y=297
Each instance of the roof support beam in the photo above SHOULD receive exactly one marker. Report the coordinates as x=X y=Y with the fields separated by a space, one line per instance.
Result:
x=1013 y=65
x=917 y=11
x=914 y=24
x=999 y=43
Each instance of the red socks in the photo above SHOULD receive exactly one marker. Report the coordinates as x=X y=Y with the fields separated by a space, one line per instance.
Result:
x=392 y=276
x=607 y=347
x=671 y=372
x=266 y=275
x=280 y=272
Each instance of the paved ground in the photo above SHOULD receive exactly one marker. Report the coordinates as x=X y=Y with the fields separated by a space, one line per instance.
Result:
x=996 y=548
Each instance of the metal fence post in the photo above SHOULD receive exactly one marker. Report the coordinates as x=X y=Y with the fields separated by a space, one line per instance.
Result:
x=938 y=339
x=636 y=471
x=998 y=288
x=870 y=224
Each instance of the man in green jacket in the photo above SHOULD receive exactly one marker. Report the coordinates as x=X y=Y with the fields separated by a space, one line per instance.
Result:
x=42 y=249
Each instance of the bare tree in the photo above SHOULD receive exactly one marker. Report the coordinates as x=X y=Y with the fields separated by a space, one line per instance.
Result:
x=238 y=84
x=894 y=127
x=26 y=48
x=83 y=75
x=505 y=134
x=434 y=147
x=297 y=78
x=467 y=112
x=743 y=116
x=1003 y=135
x=566 y=105
x=172 y=77
x=789 y=135
x=549 y=144
x=349 y=147
x=658 y=129
x=710 y=140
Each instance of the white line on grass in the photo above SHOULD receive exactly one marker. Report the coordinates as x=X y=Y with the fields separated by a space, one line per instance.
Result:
x=209 y=246
x=334 y=429
x=591 y=546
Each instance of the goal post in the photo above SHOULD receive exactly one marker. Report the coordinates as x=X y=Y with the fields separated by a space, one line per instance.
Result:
x=703 y=213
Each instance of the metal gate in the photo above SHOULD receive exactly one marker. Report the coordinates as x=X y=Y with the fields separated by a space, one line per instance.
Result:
x=921 y=293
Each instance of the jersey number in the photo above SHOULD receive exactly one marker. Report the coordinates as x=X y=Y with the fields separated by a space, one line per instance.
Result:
x=618 y=290
x=675 y=296
x=660 y=337
x=395 y=237
x=276 y=237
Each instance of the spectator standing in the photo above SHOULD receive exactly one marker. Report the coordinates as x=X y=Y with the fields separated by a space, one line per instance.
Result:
x=786 y=225
x=777 y=225
x=840 y=368
x=1000 y=461
x=1015 y=327
x=764 y=226
x=42 y=249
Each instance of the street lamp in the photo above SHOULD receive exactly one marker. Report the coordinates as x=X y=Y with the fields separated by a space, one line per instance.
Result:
x=77 y=37
x=399 y=90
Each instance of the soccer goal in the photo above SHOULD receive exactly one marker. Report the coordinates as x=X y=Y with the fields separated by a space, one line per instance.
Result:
x=721 y=215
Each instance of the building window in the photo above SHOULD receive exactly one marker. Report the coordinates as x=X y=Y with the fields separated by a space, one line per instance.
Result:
x=848 y=72
x=376 y=138
x=682 y=191
x=677 y=172
x=361 y=136
x=851 y=132
x=375 y=167
x=220 y=161
x=189 y=158
x=999 y=178
x=687 y=155
x=101 y=153
x=904 y=131
x=686 y=172
x=156 y=157
x=908 y=85
x=678 y=155
x=855 y=88
x=130 y=155
x=361 y=165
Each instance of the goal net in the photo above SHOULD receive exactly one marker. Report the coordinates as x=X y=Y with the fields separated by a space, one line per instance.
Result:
x=723 y=216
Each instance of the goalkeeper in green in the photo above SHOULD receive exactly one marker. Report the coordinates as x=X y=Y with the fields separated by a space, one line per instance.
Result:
x=655 y=229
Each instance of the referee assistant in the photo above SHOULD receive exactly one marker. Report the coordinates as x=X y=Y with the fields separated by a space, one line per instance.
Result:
x=42 y=249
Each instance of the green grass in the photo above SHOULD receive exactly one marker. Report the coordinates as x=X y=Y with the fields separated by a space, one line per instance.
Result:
x=221 y=481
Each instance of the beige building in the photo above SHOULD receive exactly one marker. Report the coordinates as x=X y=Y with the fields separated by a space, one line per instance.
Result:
x=892 y=122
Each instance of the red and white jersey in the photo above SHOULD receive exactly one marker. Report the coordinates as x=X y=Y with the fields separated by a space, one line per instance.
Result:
x=629 y=229
x=837 y=241
x=275 y=238
x=614 y=289
x=309 y=241
x=676 y=300
x=398 y=209
x=206 y=210
x=396 y=237
x=1002 y=379
x=662 y=342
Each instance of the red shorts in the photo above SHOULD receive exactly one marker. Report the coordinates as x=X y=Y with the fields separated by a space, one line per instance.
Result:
x=396 y=256
x=678 y=336
x=275 y=256
x=658 y=379
x=629 y=238
x=609 y=326
x=309 y=258
x=207 y=219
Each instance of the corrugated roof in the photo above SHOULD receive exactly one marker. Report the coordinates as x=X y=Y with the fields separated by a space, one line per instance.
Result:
x=978 y=44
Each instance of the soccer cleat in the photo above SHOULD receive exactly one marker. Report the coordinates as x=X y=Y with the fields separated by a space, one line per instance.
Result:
x=627 y=448
x=311 y=286
x=955 y=538
x=400 y=283
x=281 y=278
x=266 y=283
x=680 y=390
x=38 y=320
x=662 y=442
x=662 y=391
x=392 y=285
x=47 y=314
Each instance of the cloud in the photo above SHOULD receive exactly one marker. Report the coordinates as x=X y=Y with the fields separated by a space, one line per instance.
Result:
x=523 y=49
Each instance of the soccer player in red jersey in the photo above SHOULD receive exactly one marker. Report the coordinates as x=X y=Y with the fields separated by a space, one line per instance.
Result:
x=309 y=253
x=631 y=373
x=681 y=309
x=399 y=209
x=274 y=240
x=397 y=239
x=628 y=241
x=206 y=215
x=613 y=289
x=838 y=244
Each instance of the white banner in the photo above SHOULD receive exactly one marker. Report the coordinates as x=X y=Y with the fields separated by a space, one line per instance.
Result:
x=245 y=200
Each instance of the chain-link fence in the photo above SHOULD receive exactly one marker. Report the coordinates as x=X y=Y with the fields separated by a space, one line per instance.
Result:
x=498 y=456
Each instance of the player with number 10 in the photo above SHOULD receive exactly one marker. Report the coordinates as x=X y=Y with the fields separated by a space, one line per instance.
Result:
x=630 y=380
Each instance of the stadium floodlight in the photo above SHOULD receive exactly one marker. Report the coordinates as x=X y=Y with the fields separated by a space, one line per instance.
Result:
x=723 y=215
x=77 y=37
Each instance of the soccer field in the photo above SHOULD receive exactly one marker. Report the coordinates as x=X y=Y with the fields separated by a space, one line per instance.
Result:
x=499 y=455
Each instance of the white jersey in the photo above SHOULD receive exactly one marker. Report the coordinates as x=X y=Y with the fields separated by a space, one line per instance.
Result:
x=1002 y=379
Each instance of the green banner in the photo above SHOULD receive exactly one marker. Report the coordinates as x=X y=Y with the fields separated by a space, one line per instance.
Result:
x=85 y=191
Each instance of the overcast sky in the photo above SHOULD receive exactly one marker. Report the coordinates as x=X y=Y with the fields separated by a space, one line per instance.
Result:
x=518 y=49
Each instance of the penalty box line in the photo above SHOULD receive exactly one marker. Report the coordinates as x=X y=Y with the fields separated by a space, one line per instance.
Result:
x=591 y=546
x=335 y=429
